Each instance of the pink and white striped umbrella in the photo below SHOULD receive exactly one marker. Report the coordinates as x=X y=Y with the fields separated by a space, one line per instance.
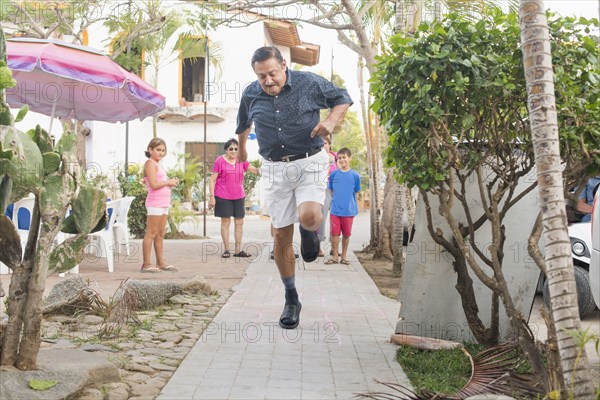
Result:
x=60 y=79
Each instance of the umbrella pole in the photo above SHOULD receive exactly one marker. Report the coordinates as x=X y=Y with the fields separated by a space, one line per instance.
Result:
x=52 y=118
x=127 y=148
x=204 y=175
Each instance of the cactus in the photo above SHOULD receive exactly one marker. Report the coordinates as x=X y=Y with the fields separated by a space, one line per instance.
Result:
x=29 y=162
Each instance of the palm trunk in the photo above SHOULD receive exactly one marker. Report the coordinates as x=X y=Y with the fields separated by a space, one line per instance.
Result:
x=400 y=218
x=155 y=84
x=544 y=132
x=374 y=225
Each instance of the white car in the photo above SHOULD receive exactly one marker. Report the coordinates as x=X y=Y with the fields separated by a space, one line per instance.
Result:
x=581 y=239
x=595 y=251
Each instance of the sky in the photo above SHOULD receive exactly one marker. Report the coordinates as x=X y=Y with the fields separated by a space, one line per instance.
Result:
x=345 y=61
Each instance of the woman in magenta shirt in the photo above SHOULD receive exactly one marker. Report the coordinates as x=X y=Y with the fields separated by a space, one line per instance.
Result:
x=227 y=195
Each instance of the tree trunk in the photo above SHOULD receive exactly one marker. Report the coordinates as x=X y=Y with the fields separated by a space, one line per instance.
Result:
x=400 y=17
x=82 y=133
x=401 y=225
x=18 y=294
x=544 y=132
x=374 y=220
x=386 y=231
x=31 y=340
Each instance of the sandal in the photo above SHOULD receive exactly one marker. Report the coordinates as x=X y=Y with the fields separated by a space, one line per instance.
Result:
x=345 y=262
x=290 y=318
x=226 y=254
x=169 y=268
x=149 y=270
x=331 y=261
x=242 y=254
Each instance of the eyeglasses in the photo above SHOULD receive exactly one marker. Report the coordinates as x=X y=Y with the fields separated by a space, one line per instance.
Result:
x=233 y=149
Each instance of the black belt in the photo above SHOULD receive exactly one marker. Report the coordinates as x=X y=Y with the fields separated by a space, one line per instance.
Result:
x=295 y=157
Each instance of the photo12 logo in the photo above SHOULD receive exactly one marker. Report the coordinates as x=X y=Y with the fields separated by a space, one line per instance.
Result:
x=255 y=332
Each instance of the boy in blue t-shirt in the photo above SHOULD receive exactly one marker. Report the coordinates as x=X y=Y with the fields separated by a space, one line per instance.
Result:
x=344 y=182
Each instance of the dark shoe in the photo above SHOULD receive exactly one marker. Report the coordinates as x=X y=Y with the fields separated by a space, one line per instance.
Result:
x=290 y=317
x=309 y=245
x=242 y=254
x=226 y=254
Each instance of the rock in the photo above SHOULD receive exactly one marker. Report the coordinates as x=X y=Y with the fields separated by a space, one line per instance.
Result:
x=91 y=394
x=161 y=367
x=143 y=390
x=92 y=320
x=137 y=378
x=157 y=382
x=182 y=299
x=73 y=369
x=117 y=391
x=198 y=285
x=63 y=296
x=97 y=347
x=148 y=294
x=61 y=319
x=126 y=345
x=139 y=367
x=171 y=337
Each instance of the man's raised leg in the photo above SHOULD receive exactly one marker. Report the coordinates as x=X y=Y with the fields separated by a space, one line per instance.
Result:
x=310 y=218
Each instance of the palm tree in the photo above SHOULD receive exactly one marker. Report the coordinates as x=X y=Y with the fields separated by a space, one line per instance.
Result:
x=535 y=39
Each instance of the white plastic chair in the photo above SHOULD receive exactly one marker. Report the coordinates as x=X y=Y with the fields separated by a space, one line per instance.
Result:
x=121 y=226
x=106 y=243
x=24 y=207
x=61 y=237
x=22 y=213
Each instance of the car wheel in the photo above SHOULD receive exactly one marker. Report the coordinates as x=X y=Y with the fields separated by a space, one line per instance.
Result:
x=585 y=299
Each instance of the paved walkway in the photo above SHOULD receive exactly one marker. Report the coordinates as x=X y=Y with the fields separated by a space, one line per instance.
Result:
x=340 y=346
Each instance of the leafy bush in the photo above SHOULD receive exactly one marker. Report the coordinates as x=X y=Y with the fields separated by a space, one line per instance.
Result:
x=177 y=216
x=250 y=180
x=133 y=185
x=190 y=178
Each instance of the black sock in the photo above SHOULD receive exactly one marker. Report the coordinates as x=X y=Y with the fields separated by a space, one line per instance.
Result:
x=291 y=296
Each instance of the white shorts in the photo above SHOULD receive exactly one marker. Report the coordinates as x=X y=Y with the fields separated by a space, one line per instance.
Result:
x=157 y=211
x=289 y=184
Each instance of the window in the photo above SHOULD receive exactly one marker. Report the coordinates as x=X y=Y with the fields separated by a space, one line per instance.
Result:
x=213 y=150
x=193 y=69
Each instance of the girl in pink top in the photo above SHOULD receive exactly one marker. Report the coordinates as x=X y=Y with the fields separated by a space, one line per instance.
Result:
x=227 y=195
x=157 y=205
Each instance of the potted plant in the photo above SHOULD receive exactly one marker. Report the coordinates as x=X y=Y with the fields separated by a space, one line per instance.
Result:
x=189 y=177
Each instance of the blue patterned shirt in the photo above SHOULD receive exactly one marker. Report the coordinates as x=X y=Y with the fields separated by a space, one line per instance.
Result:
x=283 y=123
